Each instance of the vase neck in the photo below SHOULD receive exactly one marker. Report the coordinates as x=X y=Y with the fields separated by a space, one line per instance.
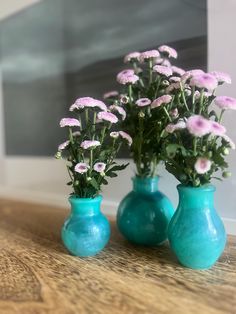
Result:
x=192 y=198
x=85 y=206
x=145 y=185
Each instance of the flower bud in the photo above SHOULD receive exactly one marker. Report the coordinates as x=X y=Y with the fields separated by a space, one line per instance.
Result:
x=124 y=99
x=58 y=155
x=209 y=154
x=141 y=114
x=226 y=174
x=165 y=83
x=89 y=179
x=76 y=182
x=197 y=182
x=174 y=113
x=225 y=151
x=102 y=174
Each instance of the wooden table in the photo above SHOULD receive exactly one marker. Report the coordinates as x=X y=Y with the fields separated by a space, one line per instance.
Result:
x=37 y=275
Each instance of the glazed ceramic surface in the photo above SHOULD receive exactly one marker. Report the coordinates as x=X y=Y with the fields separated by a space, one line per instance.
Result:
x=87 y=230
x=196 y=232
x=144 y=214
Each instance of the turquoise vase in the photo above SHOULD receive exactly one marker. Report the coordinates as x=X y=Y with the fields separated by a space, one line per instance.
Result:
x=87 y=230
x=196 y=232
x=144 y=214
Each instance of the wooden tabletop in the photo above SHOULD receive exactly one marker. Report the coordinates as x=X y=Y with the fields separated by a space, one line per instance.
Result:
x=37 y=275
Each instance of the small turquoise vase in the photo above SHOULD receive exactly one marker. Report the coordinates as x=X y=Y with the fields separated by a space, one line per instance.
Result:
x=86 y=231
x=144 y=214
x=196 y=233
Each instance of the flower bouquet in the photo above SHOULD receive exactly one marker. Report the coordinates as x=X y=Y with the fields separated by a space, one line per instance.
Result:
x=89 y=152
x=144 y=214
x=196 y=148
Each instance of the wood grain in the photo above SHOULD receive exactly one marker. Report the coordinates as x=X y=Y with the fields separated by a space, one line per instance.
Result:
x=38 y=276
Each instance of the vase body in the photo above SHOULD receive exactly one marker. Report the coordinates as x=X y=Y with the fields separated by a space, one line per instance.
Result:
x=196 y=232
x=144 y=214
x=86 y=231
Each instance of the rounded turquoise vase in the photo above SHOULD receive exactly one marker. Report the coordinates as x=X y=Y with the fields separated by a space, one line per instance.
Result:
x=144 y=214
x=196 y=233
x=86 y=231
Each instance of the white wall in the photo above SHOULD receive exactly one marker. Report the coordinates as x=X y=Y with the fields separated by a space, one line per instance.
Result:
x=221 y=57
x=8 y=7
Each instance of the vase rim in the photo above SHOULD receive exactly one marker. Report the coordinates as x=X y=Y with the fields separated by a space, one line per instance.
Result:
x=206 y=187
x=145 y=178
x=74 y=198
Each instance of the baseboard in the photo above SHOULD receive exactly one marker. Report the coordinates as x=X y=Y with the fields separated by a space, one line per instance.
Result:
x=109 y=207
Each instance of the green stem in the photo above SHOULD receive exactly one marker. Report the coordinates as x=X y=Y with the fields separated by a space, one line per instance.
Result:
x=183 y=96
x=91 y=162
x=201 y=101
x=130 y=93
x=195 y=146
x=157 y=87
x=193 y=99
x=150 y=63
x=86 y=117
x=221 y=115
x=167 y=113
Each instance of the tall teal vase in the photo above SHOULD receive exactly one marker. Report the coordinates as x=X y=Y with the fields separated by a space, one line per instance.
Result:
x=196 y=232
x=144 y=214
x=86 y=231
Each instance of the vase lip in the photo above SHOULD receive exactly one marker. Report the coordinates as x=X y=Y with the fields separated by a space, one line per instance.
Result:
x=75 y=199
x=203 y=188
x=137 y=178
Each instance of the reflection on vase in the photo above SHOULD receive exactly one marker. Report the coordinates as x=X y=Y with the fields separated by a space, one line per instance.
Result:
x=87 y=230
x=196 y=232
x=144 y=214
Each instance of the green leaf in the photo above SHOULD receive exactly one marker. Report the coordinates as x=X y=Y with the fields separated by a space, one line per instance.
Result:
x=94 y=183
x=111 y=174
x=117 y=168
x=69 y=183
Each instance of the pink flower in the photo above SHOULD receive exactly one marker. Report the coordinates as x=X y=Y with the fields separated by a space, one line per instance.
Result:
x=158 y=60
x=175 y=79
x=225 y=102
x=107 y=116
x=142 y=102
x=177 y=70
x=202 y=165
x=82 y=167
x=89 y=144
x=164 y=99
x=150 y=54
x=112 y=93
x=119 y=109
x=127 y=137
x=125 y=72
x=170 y=52
x=162 y=69
x=170 y=128
x=228 y=140
x=69 y=122
x=222 y=77
x=198 y=125
x=127 y=78
x=114 y=134
x=188 y=74
x=172 y=87
x=99 y=167
x=63 y=145
x=174 y=113
x=206 y=80
x=217 y=128
x=84 y=102
x=132 y=56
